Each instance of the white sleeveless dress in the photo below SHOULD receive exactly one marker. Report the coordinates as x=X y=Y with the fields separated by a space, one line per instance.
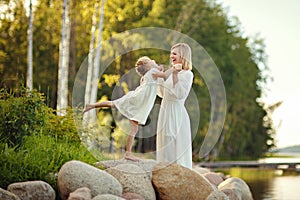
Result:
x=136 y=105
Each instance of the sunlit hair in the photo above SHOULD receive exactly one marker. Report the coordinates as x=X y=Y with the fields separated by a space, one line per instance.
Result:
x=141 y=65
x=185 y=54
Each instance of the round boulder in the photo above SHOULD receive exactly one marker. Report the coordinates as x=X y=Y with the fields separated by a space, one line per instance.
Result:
x=174 y=182
x=77 y=174
x=32 y=190
x=236 y=188
x=133 y=179
x=213 y=178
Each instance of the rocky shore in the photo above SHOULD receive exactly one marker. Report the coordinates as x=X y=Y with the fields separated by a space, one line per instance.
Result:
x=124 y=179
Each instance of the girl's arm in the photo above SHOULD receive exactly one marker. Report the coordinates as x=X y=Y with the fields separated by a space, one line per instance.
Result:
x=164 y=74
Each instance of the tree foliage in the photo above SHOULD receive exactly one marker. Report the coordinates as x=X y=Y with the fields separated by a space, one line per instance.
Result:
x=240 y=60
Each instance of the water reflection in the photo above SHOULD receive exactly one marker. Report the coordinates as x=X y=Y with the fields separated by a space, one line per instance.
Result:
x=284 y=187
x=259 y=188
x=269 y=184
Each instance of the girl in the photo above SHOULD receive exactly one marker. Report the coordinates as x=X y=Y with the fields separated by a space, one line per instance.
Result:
x=136 y=105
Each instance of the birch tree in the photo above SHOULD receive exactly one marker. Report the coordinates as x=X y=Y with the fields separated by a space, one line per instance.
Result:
x=96 y=63
x=63 y=65
x=29 y=79
x=87 y=97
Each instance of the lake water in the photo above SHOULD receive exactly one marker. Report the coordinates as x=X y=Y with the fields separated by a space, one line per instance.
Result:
x=282 y=187
x=271 y=184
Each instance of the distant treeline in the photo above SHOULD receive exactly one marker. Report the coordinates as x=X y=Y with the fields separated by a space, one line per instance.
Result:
x=248 y=130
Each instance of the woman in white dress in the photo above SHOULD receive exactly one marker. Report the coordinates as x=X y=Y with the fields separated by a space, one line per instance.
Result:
x=136 y=105
x=173 y=130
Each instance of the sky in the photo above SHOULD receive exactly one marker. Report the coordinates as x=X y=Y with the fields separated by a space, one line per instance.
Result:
x=277 y=22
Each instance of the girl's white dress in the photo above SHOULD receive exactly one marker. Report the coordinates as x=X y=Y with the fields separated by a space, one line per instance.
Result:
x=136 y=105
x=173 y=143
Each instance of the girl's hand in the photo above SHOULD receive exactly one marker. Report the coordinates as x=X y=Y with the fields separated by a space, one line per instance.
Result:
x=161 y=67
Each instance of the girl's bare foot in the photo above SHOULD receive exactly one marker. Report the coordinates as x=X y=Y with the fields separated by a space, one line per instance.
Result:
x=129 y=156
x=87 y=108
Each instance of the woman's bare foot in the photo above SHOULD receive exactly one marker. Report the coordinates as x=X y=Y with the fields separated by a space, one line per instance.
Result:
x=129 y=156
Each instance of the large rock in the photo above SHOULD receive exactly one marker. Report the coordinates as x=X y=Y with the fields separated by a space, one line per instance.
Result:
x=200 y=170
x=145 y=164
x=218 y=195
x=133 y=179
x=6 y=195
x=76 y=174
x=83 y=193
x=32 y=190
x=213 y=178
x=132 y=196
x=236 y=188
x=174 y=182
x=107 y=197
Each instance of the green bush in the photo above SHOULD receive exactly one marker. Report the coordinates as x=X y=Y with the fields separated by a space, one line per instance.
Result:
x=34 y=142
x=39 y=158
x=21 y=115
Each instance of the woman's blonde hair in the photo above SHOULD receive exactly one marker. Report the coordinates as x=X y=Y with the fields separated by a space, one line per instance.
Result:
x=141 y=65
x=185 y=54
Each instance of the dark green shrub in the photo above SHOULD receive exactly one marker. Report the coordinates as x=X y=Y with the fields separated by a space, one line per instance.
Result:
x=39 y=158
x=21 y=115
x=34 y=142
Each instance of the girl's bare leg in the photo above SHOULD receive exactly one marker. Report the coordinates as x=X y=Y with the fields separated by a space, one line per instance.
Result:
x=130 y=139
x=102 y=104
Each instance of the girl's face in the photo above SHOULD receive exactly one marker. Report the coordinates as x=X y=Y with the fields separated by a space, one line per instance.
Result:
x=152 y=63
x=175 y=56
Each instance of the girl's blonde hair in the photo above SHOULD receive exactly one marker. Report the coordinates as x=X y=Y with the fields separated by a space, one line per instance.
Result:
x=141 y=65
x=185 y=54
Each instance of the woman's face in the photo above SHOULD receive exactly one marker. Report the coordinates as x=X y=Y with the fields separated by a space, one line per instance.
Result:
x=175 y=56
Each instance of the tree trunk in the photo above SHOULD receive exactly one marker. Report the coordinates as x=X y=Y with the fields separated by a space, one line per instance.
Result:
x=62 y=91
x=96 y=68
x=72 y=67
x=29 y=80
x=87 y=96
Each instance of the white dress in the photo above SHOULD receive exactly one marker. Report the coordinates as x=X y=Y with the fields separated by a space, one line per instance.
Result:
x=136 y=105
x=173 y=143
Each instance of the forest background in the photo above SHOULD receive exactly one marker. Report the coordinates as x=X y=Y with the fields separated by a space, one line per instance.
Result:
x=248 y=131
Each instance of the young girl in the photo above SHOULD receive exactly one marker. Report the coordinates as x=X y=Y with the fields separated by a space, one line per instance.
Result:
x=136 y=105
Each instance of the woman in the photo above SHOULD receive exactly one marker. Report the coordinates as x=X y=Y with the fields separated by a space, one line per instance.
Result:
x=173 y=129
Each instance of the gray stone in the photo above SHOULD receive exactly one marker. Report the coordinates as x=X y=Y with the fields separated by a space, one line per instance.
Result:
x=145 y=164
x=32 y=190
x=236 y=188
x=213 y=178
x=6 y=195
x=83 y=193
x=132 y=196
x=133 y=179
x=217 y=195
x=107 y=197
x=77 y=174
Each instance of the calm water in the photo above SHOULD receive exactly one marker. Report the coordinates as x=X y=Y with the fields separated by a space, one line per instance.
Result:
x=277 y=188
x=271 y=184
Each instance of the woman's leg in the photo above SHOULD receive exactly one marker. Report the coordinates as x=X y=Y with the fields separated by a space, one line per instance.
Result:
x=133 y=130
